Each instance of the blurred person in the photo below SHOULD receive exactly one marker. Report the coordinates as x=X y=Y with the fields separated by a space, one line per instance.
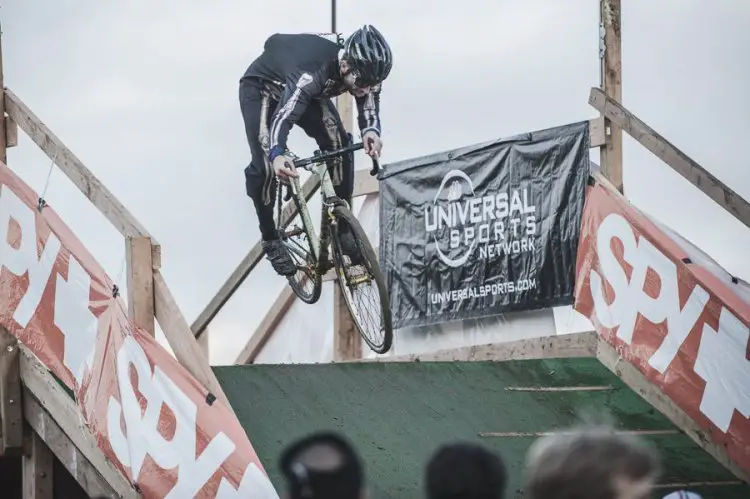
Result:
x=323 y=465
x=591 y=463
x=465 y=470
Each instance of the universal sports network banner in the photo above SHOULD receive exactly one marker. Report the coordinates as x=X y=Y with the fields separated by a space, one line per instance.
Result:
x=484 y=229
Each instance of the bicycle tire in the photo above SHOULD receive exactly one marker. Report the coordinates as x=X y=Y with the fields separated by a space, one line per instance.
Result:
x=341 y=212
x=317 y=279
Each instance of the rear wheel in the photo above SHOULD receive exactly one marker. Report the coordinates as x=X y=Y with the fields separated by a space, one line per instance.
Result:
x=362 y=283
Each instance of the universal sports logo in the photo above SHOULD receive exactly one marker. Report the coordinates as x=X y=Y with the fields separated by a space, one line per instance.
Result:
x=497 y=223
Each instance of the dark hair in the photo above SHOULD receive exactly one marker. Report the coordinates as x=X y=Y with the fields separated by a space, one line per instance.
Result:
x=465 y=470
x=322 y=465
x=586 y=463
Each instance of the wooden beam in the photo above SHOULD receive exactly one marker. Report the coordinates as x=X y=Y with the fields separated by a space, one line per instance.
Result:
x=51 y=396
x=38 y=470
x=140 y=282
x=74 y=168
x=183 y=343
x=11 y=132
x=364 y=183
x=675 y=158
x=203 y=343
x=11 y=410
x=46 y=428
x=347 y=342
x=247 y=264
x=635 y=379
x=549 y=347
x=267 y=326
x=611 y=67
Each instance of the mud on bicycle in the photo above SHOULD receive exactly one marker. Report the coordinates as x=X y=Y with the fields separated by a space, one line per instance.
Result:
x=313 y=258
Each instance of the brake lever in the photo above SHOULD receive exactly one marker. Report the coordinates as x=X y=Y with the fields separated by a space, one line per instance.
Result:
x=375 y=164
x=375 y=167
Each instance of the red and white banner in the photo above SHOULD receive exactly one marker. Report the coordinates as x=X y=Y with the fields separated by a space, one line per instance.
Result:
x=671 y=312
x=148 y=414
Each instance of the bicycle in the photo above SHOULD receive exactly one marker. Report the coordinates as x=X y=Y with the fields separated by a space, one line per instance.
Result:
x=312 y=259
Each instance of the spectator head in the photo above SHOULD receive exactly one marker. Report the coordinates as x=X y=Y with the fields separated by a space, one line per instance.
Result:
x=463 y=470
x=591 y=463
x=323 y=465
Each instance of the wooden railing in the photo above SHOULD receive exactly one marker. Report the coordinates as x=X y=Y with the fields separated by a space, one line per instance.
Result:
x=149 y=296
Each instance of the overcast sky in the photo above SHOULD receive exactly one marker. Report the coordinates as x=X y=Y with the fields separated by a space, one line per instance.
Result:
x=145 y=93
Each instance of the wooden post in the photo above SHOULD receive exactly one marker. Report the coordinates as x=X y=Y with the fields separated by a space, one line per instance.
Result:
x=37 y=469
x=347 y=343
x=3 y=142
x=140 y=282
x=11 y=408
x=611 y=82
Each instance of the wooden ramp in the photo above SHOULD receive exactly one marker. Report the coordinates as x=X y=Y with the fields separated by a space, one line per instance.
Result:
x=398 y=412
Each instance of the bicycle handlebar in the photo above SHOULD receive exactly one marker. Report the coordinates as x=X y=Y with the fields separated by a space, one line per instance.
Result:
x=325 y=156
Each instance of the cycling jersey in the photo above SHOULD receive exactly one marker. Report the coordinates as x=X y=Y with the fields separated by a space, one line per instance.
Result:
x=297 y=68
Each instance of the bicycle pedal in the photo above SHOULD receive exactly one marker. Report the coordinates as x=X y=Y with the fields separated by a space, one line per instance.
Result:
x=325 y=266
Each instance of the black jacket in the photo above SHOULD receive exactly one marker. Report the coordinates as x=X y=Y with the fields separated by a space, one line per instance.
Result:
x=298 y=68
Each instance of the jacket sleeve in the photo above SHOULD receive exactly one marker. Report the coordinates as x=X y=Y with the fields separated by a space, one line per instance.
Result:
x=301 y=87
x=368 y=110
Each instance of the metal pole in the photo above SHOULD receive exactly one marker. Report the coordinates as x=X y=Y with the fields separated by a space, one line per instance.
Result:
x=333 y=16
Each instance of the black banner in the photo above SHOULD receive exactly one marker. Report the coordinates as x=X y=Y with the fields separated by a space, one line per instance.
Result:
x=484 y=229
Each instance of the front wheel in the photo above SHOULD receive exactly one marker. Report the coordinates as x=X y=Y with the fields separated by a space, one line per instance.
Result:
x=372 y=310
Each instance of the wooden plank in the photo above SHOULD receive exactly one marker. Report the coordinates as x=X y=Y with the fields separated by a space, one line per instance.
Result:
x=180 y=338
x=37 y=470
x=573 y=345
x=611 y=67
x=267 y=326
x=140 y=282
x=635 y=379
x=11 y=410
x=11 y=132
x=55 y=400
x=74 y=168
x=672 y=156
x=80 y=468
x=247 y=264
x=364 y=183
x=597 y=132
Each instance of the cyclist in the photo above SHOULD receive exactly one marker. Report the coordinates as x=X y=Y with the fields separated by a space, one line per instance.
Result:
x=291 y=83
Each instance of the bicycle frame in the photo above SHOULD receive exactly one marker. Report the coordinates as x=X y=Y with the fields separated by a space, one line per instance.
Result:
x=317 y=166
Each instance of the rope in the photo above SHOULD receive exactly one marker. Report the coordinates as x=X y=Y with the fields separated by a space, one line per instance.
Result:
x=41 y=202
x=118 y=279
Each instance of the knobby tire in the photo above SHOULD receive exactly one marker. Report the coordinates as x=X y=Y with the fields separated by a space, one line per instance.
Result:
x=298 y=287
x=370 y=261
